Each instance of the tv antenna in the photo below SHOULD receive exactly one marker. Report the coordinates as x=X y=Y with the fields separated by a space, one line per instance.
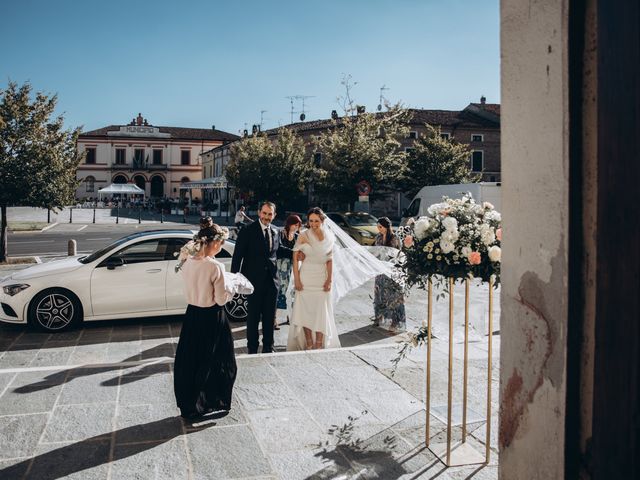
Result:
x=302 y=98
x=380 y=101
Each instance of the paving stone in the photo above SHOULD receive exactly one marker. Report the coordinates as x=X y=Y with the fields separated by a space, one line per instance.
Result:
x=88 y=354
x=338 y=359
x=14 y=469
x=265 y=396
x=363 y=380
x=88 y=388
x=51 y=357
x=285 y=429
x=165 y=460
x=262 y=373
x=20 y=434
x=32 y=338
x=5 y=380
x=79 y=422
x=328 y=412
x=147 y=423
x=80 y=460
x=236 y=453
x=298 y=464
x=17 y=358
x=392 y=406
x=19 y=399
x=133 y=374
x=148 y=390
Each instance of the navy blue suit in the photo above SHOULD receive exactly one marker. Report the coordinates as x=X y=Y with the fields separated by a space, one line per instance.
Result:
x=256 y=261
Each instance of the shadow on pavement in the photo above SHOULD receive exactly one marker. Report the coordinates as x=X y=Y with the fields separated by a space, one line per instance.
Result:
x=95 y=451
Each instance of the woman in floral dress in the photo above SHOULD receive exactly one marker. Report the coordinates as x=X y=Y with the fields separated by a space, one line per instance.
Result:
x=288 y=237
x=388 y=301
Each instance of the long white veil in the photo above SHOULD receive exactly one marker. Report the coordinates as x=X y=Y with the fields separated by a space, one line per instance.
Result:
x=353 y=264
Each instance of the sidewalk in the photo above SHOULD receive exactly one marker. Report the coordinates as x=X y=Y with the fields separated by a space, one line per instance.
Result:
x=324 y=414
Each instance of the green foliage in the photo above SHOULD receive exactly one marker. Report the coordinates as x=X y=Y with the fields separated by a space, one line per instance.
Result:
x=276 y=169
x=436 y=161
x=38 y=158
x=363 y=147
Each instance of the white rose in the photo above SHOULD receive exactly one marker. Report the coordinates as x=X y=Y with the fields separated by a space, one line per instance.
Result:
x=487 y=205
x=450 y=223
x=450 y=236
x=436 y=208
x=493 y=215
x=495 y=253
x=421 y=227
x=466 y=251
x=487 y=235
x=446 y=246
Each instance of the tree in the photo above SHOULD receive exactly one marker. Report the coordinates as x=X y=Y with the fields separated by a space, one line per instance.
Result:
x=271 y=169
x=38 y=158
x=436 y=161
x=363 y=147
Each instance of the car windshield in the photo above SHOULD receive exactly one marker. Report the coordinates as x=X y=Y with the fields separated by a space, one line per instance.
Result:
x=361 y=220
x=99 y=253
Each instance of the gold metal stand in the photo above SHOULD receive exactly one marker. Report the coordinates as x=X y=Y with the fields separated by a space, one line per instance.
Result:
x=460 y=453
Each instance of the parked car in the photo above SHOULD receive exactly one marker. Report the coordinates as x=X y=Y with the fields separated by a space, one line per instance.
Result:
x=132 y=277
x=360 y=226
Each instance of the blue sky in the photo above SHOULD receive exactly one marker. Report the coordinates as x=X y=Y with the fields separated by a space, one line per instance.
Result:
x=203 y=63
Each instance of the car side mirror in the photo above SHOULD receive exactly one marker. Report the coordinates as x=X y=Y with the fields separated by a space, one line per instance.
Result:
x=113 y=262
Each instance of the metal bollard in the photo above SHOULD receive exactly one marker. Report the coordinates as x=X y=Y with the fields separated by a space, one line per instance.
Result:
x=72 y=248
x=71 y=215
x=139 y=215
x=162 y=216
x=94 y=215
x=48 y=215
x=118 y=214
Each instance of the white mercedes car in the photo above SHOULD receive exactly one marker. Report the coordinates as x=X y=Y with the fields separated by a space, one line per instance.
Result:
x=133 y=277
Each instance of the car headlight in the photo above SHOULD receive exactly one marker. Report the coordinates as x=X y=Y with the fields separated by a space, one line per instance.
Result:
x=12 y=290
x=366 y=234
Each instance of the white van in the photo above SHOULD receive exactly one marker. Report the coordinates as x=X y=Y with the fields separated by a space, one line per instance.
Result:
x=427 y=196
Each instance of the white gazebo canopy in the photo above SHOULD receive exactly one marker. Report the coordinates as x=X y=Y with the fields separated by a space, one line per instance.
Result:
x=121 y=188
x=206 y=184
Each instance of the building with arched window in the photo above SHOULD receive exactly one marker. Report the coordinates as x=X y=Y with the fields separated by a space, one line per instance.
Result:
x=156 y=159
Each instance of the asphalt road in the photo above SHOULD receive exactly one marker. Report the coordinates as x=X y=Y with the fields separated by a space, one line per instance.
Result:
x=53 y=242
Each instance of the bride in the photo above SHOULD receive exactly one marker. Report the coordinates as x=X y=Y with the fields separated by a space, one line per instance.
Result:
x=312 y=322
x=333 y=265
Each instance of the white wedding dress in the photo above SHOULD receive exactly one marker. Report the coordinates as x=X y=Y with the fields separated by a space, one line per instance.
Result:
x=312 y=306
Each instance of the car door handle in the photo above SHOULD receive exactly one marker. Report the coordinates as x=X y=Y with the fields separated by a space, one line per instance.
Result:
x=154 y=270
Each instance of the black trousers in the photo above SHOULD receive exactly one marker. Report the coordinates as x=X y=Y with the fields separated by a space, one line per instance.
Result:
x=262 y=308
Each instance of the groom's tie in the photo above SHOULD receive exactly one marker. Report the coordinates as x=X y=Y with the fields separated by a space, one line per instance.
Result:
x=267 y=239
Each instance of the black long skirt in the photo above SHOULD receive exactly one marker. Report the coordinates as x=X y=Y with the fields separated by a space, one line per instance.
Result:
x=205 y=364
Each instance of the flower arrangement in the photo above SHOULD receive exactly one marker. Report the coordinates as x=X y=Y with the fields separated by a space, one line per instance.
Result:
x=457 y=239
x=193 y=247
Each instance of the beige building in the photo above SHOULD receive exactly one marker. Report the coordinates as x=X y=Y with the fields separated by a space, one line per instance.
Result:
x=157 y=159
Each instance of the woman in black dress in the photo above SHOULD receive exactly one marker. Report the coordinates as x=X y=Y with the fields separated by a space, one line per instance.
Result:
x=205 y=365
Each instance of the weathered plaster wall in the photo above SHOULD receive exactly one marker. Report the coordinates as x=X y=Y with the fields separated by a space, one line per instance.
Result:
x=535 y=215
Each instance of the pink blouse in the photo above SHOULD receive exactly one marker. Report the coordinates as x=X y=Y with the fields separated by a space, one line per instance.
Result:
x=204 y=282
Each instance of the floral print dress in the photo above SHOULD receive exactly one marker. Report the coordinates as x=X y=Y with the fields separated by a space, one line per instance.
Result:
x=283 y=264
x=388 y=299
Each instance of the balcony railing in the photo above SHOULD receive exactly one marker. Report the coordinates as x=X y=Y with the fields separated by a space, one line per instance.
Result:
x=139 y=166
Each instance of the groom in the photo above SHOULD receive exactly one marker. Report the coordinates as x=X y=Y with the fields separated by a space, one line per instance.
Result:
x=255 y=257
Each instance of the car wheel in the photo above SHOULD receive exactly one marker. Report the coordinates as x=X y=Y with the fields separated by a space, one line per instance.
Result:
x=237 y=309
x=54 y=310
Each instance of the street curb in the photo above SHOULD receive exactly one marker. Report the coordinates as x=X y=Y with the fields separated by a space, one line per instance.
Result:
x=49 y=226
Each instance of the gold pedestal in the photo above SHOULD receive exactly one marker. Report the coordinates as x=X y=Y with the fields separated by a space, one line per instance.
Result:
x=460 y=453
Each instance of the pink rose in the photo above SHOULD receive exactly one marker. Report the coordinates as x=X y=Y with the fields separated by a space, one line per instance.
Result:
x=474 y=258
x=499 y=234
x=408 y=241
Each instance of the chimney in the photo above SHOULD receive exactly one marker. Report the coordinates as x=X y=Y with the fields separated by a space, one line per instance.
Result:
x=483 y=99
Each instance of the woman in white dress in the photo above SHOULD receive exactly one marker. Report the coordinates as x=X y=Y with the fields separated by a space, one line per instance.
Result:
x=312 y=323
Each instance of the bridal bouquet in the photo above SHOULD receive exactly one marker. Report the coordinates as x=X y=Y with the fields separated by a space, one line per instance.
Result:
x=457 y=239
